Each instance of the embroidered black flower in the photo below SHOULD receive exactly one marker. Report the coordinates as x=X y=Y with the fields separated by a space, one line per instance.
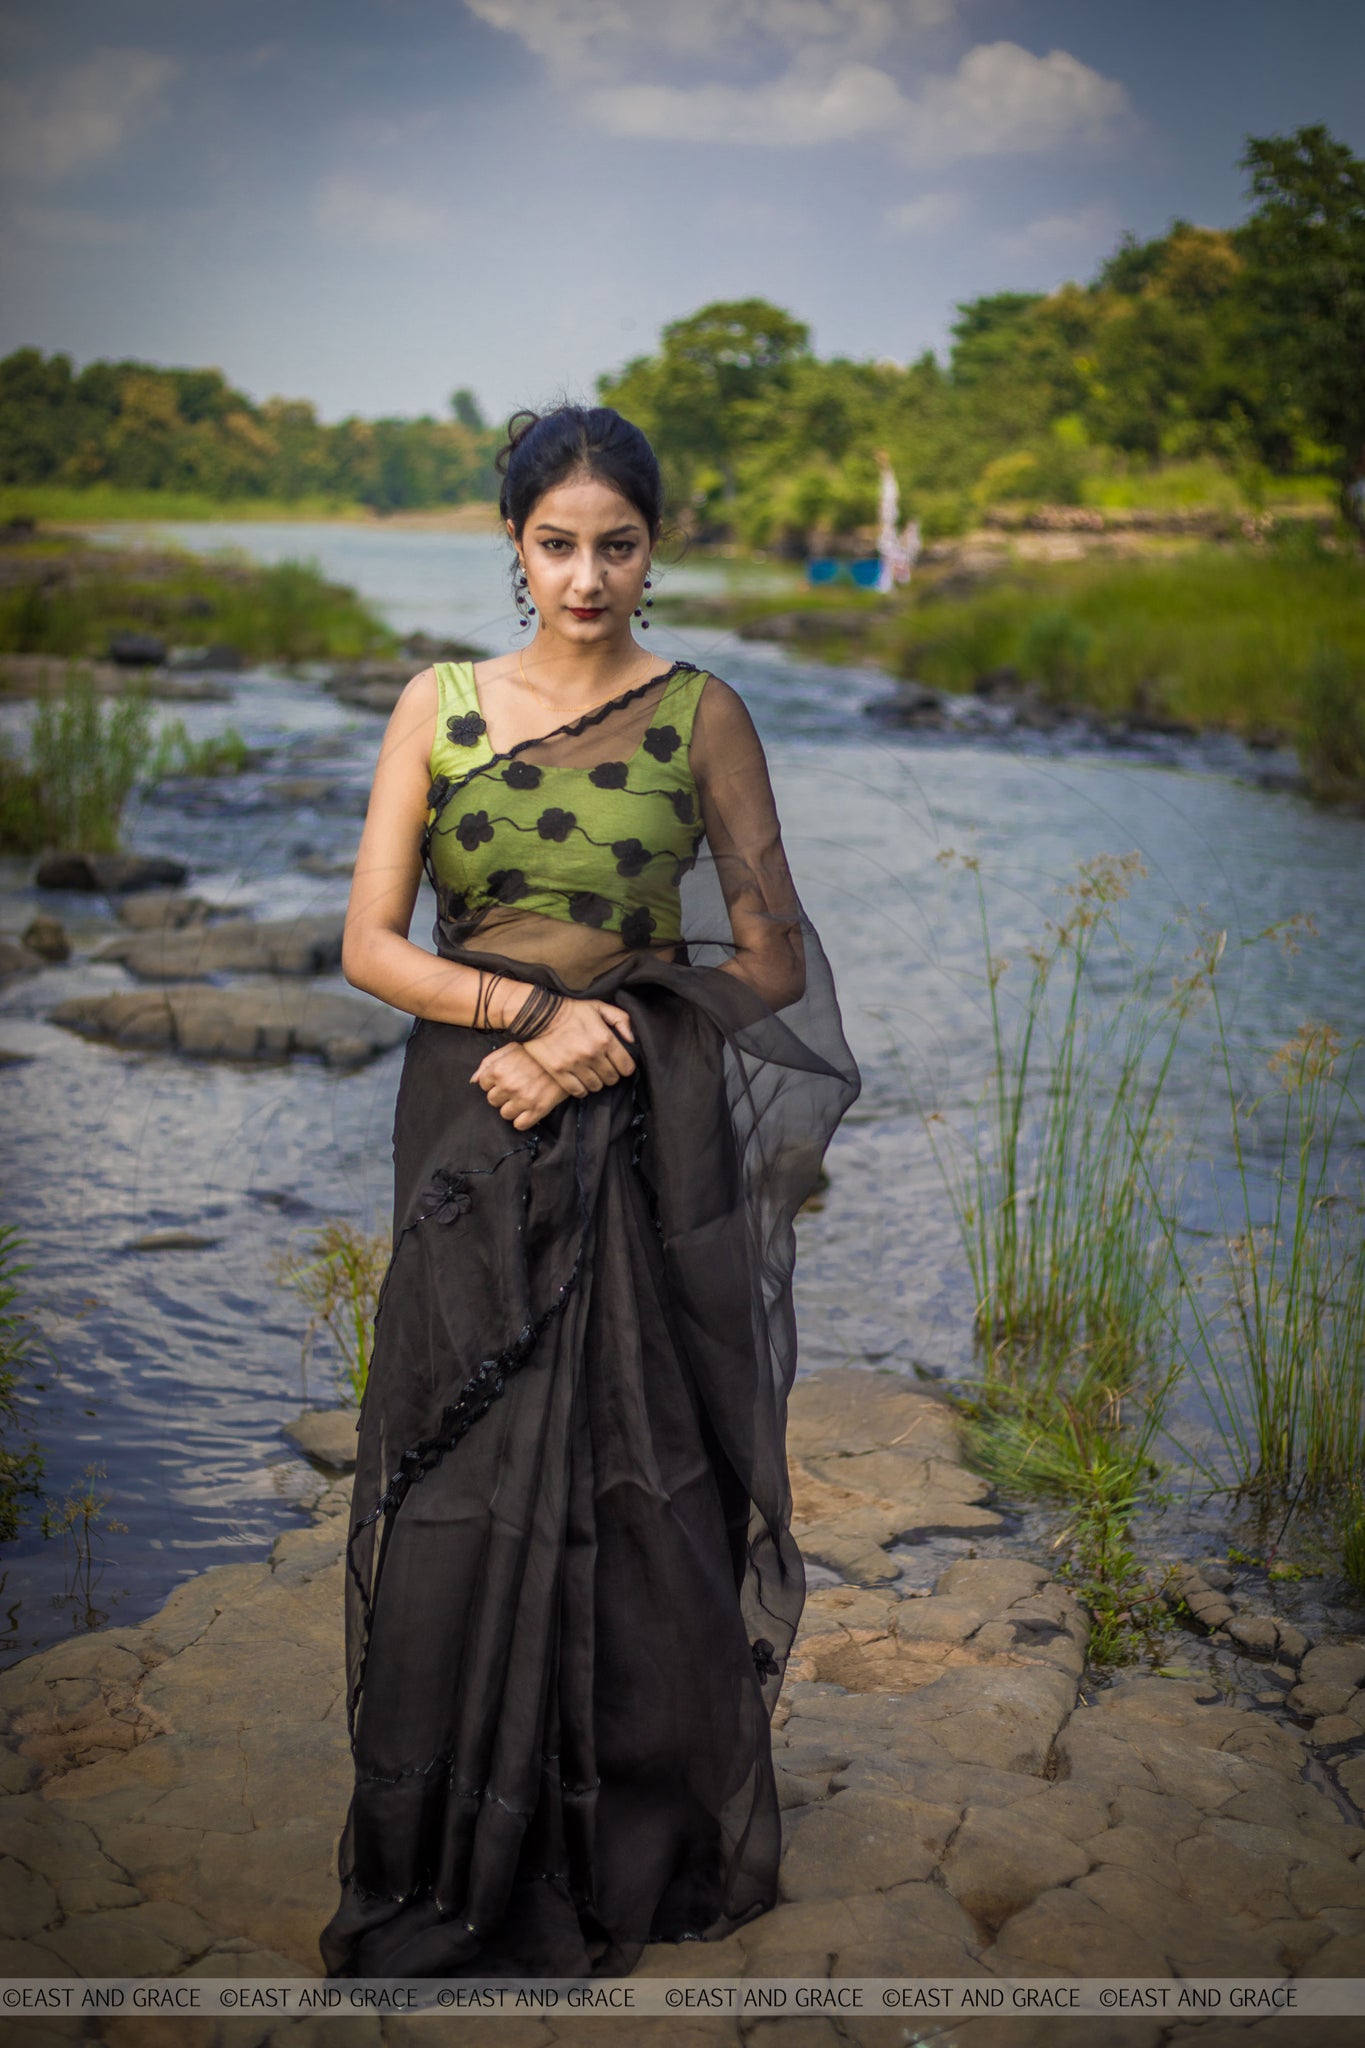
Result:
x=466 y=729
x=631 y=857
x=637 y=927
x=439 y=791
x=609 y=774
x=446 y=1198
x=681 y=800
x=765 y=1658
x=521 y=775
x=662 y=741
x=507 y=885
x=587 y=908
x=555 y=824
x=473 y=829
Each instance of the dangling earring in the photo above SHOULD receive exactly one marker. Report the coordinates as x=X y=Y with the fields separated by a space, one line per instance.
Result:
x=639 y=613
x=526 y=611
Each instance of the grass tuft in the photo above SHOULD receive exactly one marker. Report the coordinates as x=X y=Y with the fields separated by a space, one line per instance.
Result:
x=338 y=1277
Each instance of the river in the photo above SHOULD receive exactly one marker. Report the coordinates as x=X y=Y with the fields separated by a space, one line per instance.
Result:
x=169 y=1375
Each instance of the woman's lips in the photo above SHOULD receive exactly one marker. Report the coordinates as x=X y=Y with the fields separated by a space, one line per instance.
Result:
x=587 y=612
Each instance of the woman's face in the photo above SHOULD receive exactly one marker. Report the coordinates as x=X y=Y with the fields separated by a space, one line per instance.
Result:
x=585 y=550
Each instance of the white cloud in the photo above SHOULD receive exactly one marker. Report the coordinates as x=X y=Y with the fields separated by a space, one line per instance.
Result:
x=1000 y=101
x=78 y=117
x=1003 y=101
x=807 y=104
x=607 y=35
x=927 y=214
x=353 y=208
x=1058 y=238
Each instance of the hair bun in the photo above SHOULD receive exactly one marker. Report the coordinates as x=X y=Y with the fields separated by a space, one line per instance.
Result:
x=518 y=427
x=544 y=449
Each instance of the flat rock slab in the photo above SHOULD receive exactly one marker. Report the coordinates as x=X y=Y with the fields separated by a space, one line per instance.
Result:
x=155 y=909
x=109 y=874
x=295 y=945
x=327 y=1435
x=952 y=1806
x=271 y=1022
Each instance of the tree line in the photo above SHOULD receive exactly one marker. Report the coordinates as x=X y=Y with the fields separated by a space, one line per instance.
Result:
x=1240 y=348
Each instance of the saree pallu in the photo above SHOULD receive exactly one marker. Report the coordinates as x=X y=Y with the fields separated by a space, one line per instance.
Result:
x=571 y=1583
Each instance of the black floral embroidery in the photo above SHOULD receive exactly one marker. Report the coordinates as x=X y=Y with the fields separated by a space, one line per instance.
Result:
x=521 y=775
x=466 y=729
x=555 y=824
x=439 y=791
x=507 y=885
x=631 y=857
x=765 y=1658
x=455 y=905
x=473 y=829
x=681 y=800
x=609 y=774
x=662 y=741
x=637 y=927
x=446 y=1198
x=587 y=908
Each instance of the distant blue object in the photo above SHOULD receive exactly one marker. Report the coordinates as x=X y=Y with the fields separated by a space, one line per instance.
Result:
x=830 y=569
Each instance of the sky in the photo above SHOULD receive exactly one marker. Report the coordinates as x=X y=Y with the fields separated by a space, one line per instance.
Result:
x=370 y=203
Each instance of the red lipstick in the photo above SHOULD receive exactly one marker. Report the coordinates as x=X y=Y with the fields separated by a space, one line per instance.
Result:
x=590 y=612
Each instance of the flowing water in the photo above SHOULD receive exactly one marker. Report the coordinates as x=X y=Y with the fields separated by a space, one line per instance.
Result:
x=170 y=1374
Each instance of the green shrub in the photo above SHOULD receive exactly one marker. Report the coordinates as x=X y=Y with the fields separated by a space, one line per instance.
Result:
x=1054 y=650
x=21 y=1462
x=84 y=758
x=1332 y=729
x=339 y=1276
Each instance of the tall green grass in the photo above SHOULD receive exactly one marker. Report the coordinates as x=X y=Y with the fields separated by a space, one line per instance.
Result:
x=1233 y=637
x=338 y=1276
x=85 y=755
x=21 y=1461
x=286 y=611
x=96 y=504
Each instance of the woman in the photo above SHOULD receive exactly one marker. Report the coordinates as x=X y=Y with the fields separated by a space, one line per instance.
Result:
x=571 y=1580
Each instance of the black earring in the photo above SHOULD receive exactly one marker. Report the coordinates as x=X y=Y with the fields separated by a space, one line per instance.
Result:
x=644 y=622
x=526 y=611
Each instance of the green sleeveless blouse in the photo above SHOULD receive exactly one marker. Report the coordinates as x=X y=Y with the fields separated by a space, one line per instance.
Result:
x=605 y=846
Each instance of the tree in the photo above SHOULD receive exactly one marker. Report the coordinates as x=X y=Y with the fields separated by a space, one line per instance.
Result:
x=1305 y=254
x=467 y=410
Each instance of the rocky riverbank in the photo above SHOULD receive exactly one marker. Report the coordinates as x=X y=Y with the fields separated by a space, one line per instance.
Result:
x=961 y=1799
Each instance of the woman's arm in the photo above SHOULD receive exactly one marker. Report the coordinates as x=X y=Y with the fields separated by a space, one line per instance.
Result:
x=580 y=1050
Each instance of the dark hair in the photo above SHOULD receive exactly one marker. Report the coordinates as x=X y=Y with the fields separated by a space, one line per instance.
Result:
x=543 y=449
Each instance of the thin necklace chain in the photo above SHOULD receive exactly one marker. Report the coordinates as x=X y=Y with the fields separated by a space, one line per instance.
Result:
x=549 y=702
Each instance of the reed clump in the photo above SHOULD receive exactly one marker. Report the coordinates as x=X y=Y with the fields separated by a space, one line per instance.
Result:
x=21 y=1461
x=85 y=756
x=338 y=1274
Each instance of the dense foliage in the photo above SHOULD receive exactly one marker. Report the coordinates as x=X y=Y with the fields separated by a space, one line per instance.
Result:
x=139 y=428
x=1200 y=356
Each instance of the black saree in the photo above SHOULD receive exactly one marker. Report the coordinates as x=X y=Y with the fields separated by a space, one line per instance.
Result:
x=571 y=1582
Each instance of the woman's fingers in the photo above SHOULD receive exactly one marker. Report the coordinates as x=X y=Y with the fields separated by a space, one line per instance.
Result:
x=618 y=1019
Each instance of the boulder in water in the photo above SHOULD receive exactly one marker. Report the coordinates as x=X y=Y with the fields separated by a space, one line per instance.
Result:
x=196 y=951
x=46 y=936
x=109 y=874
x=137 y=650
x=269 y=1022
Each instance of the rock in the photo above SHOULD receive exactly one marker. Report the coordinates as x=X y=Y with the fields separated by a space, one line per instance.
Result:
x=137 y=650
x=321 y=865
x=1000 y=1862
x=111 y=874
x=420 y=647
x=296 y=945
x=266 y=1023
x=998 y=682
x=17 y=958
x=1218 y=1576
x=219 y=659
x=914 y=708
x=858 y=1841
x=1334 y=1664
x=172 y=1241
x=1255 y=1633
x=1205 y=1604
x=327 y=1435
x=1293 y=1643
x=46 y=936
x=1322 y=1698
x=158 y=909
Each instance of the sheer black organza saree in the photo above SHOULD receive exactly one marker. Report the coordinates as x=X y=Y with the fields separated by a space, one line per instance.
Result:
x=572 y=1586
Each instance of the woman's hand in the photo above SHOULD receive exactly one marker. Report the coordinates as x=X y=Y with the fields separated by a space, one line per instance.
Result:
x=517 y=1086
x=581 y=1049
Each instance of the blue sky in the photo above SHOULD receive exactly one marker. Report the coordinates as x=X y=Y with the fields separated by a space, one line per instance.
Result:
x=370 y=202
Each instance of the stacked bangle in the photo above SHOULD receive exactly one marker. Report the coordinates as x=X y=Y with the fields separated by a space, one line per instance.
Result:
x=536 y=1013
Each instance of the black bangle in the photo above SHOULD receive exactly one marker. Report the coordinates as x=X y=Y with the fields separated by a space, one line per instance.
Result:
x=536 y=1014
